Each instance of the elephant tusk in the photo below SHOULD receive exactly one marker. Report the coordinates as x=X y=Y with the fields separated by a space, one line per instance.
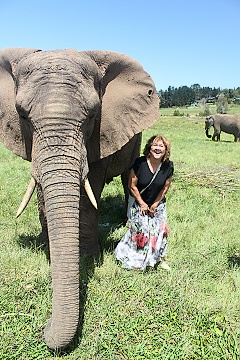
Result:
x=27 y=196
x=90 y=194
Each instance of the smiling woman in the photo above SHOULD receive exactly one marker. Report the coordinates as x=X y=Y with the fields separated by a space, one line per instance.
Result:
x=145 y=242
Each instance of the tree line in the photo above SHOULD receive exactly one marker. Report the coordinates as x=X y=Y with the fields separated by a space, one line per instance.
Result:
x=184 y=95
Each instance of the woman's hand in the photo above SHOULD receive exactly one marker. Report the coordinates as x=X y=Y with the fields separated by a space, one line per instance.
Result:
x=144 y=209
x=152 y=211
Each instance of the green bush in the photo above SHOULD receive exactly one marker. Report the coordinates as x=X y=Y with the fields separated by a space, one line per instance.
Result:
x=205 y=112
x=177 y=113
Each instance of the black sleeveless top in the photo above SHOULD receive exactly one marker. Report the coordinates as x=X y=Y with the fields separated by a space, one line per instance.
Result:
x=144 y=175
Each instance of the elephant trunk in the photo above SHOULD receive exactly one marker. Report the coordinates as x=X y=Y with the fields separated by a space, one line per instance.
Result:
x=206 y=131
x=60 y=178
x=62 y=210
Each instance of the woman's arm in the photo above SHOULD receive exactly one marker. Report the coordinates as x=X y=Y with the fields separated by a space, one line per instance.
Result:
x=132 y=185
x=160 y=196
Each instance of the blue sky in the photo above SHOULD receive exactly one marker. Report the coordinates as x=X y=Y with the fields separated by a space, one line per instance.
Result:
x=178 y=42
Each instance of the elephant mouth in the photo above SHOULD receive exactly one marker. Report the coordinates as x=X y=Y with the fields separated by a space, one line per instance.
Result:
x=31 y=188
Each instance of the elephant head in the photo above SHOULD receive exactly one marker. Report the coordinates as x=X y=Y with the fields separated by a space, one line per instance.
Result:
x=209 y=121
x=63 y=110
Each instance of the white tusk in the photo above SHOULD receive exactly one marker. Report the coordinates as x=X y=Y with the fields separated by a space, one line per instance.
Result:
x=90 y=193
x=27 y=196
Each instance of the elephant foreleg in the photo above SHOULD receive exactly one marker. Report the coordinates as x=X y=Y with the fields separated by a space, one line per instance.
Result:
x=216 y=134
x=217 y=131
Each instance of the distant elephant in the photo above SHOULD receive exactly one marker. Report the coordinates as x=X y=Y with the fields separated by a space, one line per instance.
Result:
x=74 y=115
x=223 y=122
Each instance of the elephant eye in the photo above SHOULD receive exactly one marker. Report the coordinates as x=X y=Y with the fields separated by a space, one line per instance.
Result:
x=150 y=92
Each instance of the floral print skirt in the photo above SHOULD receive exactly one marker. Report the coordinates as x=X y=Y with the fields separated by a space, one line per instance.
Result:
x=145 y=242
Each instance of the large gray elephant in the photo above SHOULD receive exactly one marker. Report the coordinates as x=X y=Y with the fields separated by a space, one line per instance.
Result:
x=74 y=115
x=223 y=122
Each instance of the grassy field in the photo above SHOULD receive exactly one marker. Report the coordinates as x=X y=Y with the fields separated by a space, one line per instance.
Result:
x=192 y=312
x=196 y=110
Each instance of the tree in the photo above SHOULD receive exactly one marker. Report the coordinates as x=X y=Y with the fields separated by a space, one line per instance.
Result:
x=222 y=104
x=185 y=95
x=197 y=91
x=205 y=110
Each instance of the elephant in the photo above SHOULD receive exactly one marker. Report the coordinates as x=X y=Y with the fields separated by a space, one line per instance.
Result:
x=77 y=116
x=223 y=122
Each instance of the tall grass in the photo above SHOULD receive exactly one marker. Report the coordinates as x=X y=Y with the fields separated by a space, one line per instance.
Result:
x=190 y=313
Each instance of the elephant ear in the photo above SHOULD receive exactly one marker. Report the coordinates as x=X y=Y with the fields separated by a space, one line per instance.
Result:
x=130 y=102
x=11 y=127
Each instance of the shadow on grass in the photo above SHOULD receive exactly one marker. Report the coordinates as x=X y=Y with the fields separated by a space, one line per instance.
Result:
x=234 y=261
x=221 y=141
x=33 y=243
x=111 y=216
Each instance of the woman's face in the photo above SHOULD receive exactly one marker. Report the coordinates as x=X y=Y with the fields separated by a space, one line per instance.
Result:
x=157 y=150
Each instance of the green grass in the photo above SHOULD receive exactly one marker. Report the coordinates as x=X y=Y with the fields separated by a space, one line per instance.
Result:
x=190 y=313
x=194 y=111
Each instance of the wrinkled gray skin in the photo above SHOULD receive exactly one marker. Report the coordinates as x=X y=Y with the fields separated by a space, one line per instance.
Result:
x=223 y=122
x=73 y=115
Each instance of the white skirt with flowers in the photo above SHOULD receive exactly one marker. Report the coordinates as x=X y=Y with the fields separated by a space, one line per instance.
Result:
x=145 y=242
